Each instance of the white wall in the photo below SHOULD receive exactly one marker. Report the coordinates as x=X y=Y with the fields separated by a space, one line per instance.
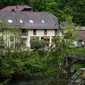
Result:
x=39 y=33
x=75 y=43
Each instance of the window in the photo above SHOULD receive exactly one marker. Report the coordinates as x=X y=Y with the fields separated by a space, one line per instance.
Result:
x=11 y=38
x=21 y=21
x=31 y=21
x=56 y=32
x=79 y=43
x=34 y=32
x=45 y=32
x=24 y=32
x=42 y=21
x=17 y=45
x=46 y=40
x=10 y=21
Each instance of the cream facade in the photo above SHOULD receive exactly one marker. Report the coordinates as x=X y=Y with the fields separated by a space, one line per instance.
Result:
x=40 y=34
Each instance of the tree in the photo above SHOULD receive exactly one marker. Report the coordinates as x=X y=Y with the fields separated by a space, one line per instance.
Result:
x=36 y=4
x=37 y=44
x=4 y=3
x=62 y=48
x=9 y=36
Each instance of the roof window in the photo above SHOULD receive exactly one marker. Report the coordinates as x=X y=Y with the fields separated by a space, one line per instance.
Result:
x=10 y=21
x=21 y=21
x=31 y=21
x=42 y=21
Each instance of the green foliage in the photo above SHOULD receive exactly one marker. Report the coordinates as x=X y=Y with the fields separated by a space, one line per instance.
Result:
x=42 y=63
x=4 y=3
x=37 y=44
x=77 y=66
x=78 y=51
x=28 y=64
x=36 y=4
x=62 y=47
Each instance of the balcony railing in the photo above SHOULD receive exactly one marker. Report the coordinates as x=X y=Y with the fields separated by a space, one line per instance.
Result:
x=24 y=35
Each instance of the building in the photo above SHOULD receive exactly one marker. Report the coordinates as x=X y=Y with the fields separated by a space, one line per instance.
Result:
x=16 y=8
x=42 y=25
x=78 y=33
x=80 y=36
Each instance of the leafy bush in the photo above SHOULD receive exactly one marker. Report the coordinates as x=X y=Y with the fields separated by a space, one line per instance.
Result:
x=37 y=44
x=77 y=66
x=26 y=64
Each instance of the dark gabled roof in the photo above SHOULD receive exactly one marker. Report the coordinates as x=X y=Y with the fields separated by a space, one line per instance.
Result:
x=15 y=8
x=41 y=20
x=80 y=34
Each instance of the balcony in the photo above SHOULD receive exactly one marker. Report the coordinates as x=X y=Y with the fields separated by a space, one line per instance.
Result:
x=24 y=35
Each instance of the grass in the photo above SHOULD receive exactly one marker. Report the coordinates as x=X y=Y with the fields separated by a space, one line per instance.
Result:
x=80 y=51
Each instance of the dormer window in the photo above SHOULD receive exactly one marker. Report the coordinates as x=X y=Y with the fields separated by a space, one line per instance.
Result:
x=21 y=21
x=10 y=21
x=31 y=21
x=42 y=21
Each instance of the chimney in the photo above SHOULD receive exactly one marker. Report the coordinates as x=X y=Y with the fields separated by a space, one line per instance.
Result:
x=13 y=10
x=16 y=7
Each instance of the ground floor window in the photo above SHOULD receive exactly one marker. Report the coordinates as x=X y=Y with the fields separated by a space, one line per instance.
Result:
x=80 y=43
x=46 y=40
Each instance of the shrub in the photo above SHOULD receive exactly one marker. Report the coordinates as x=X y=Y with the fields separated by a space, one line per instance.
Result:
x=37 y=44
x=26 y=64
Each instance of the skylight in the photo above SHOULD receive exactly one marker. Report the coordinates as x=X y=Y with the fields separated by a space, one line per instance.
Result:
x=31 y=21
x=10 y=21
x=21 y=21
x=42 y=21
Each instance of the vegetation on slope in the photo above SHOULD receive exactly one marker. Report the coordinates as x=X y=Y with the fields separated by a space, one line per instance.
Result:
x=39 y=64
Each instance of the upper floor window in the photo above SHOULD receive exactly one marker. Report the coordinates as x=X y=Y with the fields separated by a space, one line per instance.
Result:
x=24 y=32
x=45 y=31
x=34 y=32
x=56 y=32
x=80 y=43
